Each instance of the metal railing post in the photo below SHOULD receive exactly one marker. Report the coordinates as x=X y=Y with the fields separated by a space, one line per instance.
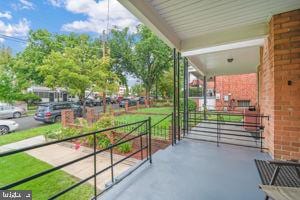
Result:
x=178 y=95
x=147 y=139
x=218 y=129
x=95 y=167
x=112 y=165
x=172 y=126
x=150 y=150
x=174 y=92
x=141 y=141
x=261 y=139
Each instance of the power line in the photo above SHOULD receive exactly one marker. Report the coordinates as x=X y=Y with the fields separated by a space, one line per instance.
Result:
x=15 y=39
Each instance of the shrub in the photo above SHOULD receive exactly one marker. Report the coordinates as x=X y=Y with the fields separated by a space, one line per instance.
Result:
x=106 y=121
x=103 y=141
x=62 y=133
x=192 y=106
x=125 y=147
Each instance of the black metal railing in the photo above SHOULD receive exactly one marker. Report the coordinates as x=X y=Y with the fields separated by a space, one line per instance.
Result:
x=143 y=134
x=161 y=129
x=226 y=127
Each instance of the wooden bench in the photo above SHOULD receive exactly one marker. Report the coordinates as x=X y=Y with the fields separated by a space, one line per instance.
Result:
x=279 y=174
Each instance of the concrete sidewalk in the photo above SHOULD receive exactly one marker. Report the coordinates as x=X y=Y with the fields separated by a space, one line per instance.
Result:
x=58 y=154
x=22 y=144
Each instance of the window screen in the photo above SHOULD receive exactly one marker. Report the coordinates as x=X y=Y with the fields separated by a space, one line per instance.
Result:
x=243 y=103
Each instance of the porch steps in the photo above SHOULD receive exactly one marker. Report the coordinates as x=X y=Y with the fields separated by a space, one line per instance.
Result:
x=229 y=134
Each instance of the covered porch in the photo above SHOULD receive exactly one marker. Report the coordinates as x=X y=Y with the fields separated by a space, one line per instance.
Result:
x=235 y=37
x=194 y=170
x=222 y=38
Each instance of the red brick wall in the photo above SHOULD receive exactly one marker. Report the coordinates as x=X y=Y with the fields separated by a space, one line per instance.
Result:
x=287 y=97
x=266 y=90
x=241 y=87
x=280 y=64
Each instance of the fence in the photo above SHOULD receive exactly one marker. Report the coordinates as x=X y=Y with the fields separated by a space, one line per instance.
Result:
x=160 y=130
x=142 y=132
x=226 y=127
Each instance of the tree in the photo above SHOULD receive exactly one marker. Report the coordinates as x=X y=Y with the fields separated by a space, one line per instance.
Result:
x=41 y=44
x=10 y=89
x=152 y=58
x=165 y=84
x=78 y=69
x=138 y=89
x=105 y=80
x=121 y=45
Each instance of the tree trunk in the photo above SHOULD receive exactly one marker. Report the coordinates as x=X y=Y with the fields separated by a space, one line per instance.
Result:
x=104 y=102
x=147 y=96
x=83 y=106
x=156 y=91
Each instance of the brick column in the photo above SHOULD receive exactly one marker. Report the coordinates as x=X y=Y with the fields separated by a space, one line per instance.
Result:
x=67 y=117
x=90 y=115
x=279 y=86
x=126 y=106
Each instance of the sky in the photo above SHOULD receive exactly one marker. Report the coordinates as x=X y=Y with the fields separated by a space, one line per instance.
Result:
x=18 y=17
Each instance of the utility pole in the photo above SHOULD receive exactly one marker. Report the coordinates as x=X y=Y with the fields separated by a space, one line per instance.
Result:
x=104 y=54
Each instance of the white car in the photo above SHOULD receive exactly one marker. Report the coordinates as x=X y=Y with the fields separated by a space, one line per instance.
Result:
x=7 y=126
x=9 y=111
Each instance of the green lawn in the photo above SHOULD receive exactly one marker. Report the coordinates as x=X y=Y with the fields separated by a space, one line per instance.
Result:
x=131 y=118
x=21 y=165
x=22 y=135
x=226 y=117
x=160 y=110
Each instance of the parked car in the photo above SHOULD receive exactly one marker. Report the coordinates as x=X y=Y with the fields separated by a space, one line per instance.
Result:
x=141 y=100
x=7 y=126
x=113 y=100
x=119 y=99
x=9 y=111
x=51 y=112
x=131 y=102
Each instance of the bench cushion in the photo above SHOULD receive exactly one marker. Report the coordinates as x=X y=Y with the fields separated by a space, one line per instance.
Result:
x=281 y=193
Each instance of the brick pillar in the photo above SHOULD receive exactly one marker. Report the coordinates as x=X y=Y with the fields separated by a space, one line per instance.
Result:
x=67 y=117
x=90 y=115
x=280 y=86
x=126 y=106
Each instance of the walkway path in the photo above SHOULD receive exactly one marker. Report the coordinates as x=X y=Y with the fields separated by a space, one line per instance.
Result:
x=58 y=154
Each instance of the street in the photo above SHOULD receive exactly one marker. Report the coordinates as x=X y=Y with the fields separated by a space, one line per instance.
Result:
x=28 y=122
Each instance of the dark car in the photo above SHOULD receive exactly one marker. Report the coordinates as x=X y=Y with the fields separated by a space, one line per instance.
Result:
x=91 y=102
x=119 y=99
x=141 y=100
x=113 y=100
x=51 y=112
x=131 y=102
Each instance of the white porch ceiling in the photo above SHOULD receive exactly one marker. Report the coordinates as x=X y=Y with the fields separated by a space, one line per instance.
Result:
x=190 y=25
x=245 y=60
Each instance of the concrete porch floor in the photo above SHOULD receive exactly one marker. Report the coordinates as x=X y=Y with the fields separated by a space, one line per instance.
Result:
x=194 y=170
